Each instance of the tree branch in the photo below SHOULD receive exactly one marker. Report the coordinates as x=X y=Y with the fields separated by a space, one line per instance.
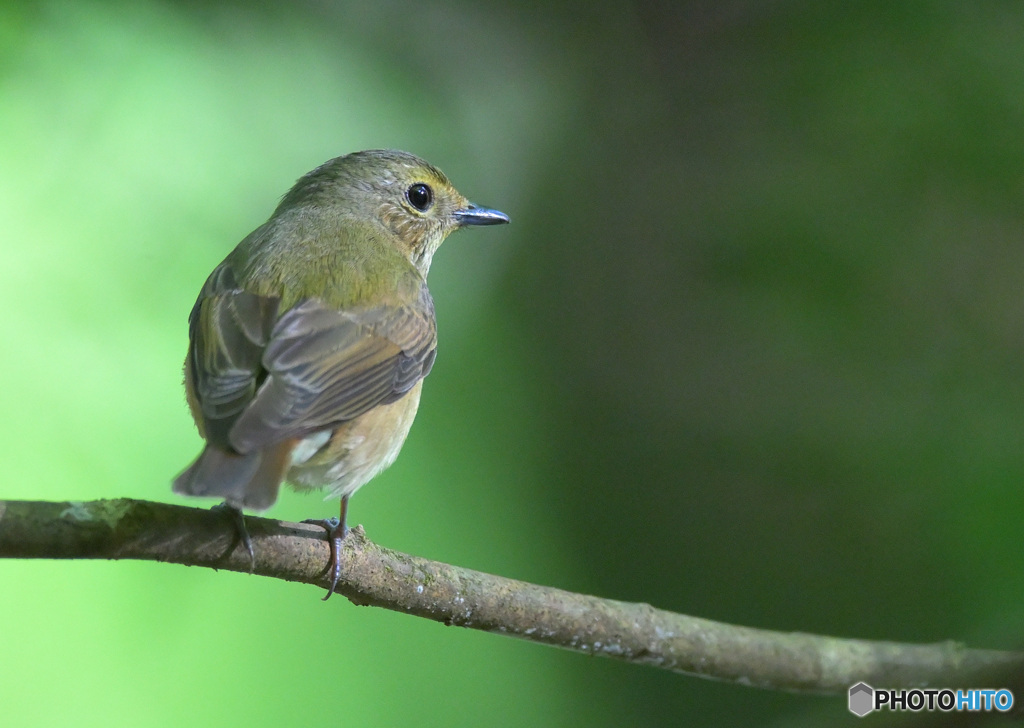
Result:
x=374 y=575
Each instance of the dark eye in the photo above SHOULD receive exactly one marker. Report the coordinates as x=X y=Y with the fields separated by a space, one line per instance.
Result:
x=420 y=196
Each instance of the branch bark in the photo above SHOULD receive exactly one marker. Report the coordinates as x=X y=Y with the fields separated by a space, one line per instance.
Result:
x=377 y=576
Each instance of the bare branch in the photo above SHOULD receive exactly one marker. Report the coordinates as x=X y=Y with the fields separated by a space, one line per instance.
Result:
x=373 y=575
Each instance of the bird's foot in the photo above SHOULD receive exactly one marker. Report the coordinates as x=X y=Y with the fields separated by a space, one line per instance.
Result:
x=241 y=532
x=337 y=530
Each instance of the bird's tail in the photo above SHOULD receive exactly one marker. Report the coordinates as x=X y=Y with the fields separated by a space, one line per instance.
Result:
x=248 y=481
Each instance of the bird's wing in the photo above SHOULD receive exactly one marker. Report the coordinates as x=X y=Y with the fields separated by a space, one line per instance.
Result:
x=261 y=379
x=228 y=330
x=325 y=366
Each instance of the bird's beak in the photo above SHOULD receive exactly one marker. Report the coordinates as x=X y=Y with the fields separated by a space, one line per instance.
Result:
x=474 y=215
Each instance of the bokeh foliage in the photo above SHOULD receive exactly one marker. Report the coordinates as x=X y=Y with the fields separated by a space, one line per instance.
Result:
x=751 y=348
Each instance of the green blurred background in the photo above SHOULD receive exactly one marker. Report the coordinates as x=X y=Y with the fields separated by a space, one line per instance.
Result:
x=751 y=349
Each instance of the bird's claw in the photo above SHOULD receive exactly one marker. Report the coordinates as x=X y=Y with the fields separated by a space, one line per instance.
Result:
x=337 y=530
x=238 y=519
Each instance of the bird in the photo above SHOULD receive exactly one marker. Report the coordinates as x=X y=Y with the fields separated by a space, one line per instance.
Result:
x=309 y=343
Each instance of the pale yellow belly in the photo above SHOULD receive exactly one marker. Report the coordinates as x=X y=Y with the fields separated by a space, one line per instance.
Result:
x=356 y=451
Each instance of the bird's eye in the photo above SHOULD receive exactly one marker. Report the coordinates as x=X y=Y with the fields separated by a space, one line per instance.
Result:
x=420 y=196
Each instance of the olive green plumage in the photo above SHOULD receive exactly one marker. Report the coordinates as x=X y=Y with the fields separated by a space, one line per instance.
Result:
x=308 y=344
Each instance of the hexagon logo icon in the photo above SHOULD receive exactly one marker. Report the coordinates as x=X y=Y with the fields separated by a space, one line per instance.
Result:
x=862 y=699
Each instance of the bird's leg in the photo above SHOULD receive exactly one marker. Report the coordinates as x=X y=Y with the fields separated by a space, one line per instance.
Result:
x=238 y=519
x=336 y=529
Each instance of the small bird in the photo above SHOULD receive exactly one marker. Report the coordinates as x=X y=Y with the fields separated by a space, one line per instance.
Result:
x=309 y=343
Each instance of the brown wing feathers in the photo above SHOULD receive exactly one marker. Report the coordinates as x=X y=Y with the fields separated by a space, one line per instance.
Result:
x=261 y=381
